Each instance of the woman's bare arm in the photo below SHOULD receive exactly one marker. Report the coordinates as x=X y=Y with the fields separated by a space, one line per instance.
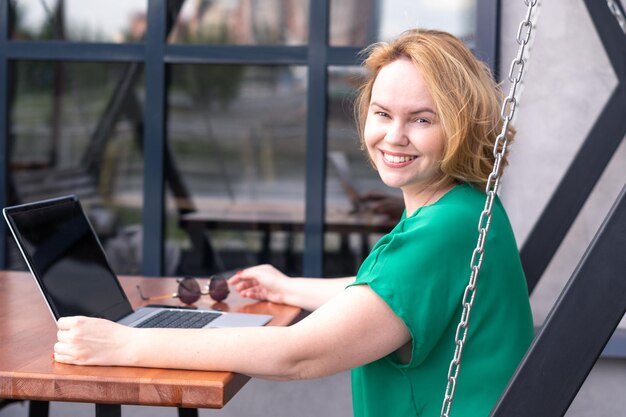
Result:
x=264 y=282
x=352 y=329
x=311 y=293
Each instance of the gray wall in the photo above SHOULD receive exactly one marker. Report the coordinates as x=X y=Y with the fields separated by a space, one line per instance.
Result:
x=568 y=81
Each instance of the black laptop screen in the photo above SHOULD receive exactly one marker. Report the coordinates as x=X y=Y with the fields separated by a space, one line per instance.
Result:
x=67 y=259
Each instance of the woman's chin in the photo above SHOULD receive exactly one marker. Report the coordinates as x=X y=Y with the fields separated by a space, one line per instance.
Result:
x=393 y=182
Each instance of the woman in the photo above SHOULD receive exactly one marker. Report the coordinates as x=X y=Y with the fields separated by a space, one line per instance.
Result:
x=428 y=116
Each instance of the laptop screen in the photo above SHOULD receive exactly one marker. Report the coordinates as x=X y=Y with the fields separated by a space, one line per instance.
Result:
x=67 y=259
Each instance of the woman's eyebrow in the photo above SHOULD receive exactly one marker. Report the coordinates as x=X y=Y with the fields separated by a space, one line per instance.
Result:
x=424 y=110
x=416 y=111
x=375 y=104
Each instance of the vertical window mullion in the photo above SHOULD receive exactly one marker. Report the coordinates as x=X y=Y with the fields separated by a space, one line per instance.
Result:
x=154 y=140
x=4 y=126
x=488 y=32
x=313 y=256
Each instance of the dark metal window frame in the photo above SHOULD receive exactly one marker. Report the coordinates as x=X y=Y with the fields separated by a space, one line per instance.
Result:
x=155 y=54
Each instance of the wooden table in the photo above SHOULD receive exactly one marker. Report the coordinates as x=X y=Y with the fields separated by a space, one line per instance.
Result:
x=28 y=372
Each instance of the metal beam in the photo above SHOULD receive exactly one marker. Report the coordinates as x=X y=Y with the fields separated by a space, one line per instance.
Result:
x=236 y=54
x=154 y=141
x=488 y=33
x=4 y=129
x=576 y=330
x=313 y=262
x=344 y=55
x=590 y=161
x=74 y=51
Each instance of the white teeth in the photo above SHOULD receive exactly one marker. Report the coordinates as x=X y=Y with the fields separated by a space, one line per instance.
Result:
x=395 y=159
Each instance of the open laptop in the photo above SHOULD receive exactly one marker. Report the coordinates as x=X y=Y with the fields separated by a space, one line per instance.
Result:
x=68 y=262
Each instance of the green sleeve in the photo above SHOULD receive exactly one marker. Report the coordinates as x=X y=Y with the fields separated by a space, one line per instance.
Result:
x=421 y=269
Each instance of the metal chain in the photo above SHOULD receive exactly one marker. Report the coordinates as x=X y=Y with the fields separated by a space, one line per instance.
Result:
x=617 y=12
x=499 y=150
x=526 y=59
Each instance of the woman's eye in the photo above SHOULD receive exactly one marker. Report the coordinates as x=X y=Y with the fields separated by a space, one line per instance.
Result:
x=421 y=120
x=381 y=114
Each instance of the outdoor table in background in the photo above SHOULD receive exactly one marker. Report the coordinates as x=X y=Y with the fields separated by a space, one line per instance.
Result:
x=269 y=218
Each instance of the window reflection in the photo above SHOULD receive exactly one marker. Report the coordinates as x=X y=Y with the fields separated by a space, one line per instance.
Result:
x=361 y=22
x=74 y=130
x=241 y=22
x=237 y=137
x=79 y=20
x=236 y=134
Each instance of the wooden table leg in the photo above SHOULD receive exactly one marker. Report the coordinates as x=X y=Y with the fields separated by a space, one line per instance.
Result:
x=187 y=412
x=38 y=408
x=108 y=410
x=265 y=256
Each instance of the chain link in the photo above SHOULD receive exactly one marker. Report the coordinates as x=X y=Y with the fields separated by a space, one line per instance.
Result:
x=524 y=36
x=617 y=12
x=520 y=63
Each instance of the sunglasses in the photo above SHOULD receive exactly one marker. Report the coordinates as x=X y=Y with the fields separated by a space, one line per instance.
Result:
x=189 y=290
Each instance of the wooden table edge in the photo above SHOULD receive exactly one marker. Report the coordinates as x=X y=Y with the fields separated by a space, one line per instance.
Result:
x=161 y=392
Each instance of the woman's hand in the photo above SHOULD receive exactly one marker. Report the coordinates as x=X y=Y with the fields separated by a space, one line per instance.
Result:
x=263 y=282
x=90 y=341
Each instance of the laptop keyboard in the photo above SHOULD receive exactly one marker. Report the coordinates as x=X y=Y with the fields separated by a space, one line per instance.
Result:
x=179 y=319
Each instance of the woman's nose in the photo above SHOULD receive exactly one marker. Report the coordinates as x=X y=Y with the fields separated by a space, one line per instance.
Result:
x=397 y=135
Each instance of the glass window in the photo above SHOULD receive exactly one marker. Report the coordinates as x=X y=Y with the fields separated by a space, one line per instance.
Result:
x=352 y=224
x=241 y=22
x=361 y=22
x=74 y=131
x=79 y=20
x=236 y=135
x=237 y=138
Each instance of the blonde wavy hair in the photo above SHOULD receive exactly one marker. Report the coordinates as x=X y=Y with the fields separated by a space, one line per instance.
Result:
x=467 y=99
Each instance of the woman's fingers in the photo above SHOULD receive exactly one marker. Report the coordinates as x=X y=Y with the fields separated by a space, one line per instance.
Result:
x=242 y=283
x=65 y=353
x=255 y=294
x=257 y=282
x=250 y=289
x=66 y=323
x=61 y=348
x=63 y=336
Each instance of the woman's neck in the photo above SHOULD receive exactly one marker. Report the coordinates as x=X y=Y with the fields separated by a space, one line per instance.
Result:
x=426 y=196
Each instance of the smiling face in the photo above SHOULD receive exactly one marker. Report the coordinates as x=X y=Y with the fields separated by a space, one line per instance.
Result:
x=403 y=134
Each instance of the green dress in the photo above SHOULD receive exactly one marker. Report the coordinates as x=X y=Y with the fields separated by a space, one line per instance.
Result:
x=420 y=269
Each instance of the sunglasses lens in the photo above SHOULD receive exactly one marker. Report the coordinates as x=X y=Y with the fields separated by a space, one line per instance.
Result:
x=218 y=288
x=189 y=290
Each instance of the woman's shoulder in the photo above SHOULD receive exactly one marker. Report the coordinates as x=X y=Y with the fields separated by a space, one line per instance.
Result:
x=460 y=206
x=463 y=197
x=450 y=224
